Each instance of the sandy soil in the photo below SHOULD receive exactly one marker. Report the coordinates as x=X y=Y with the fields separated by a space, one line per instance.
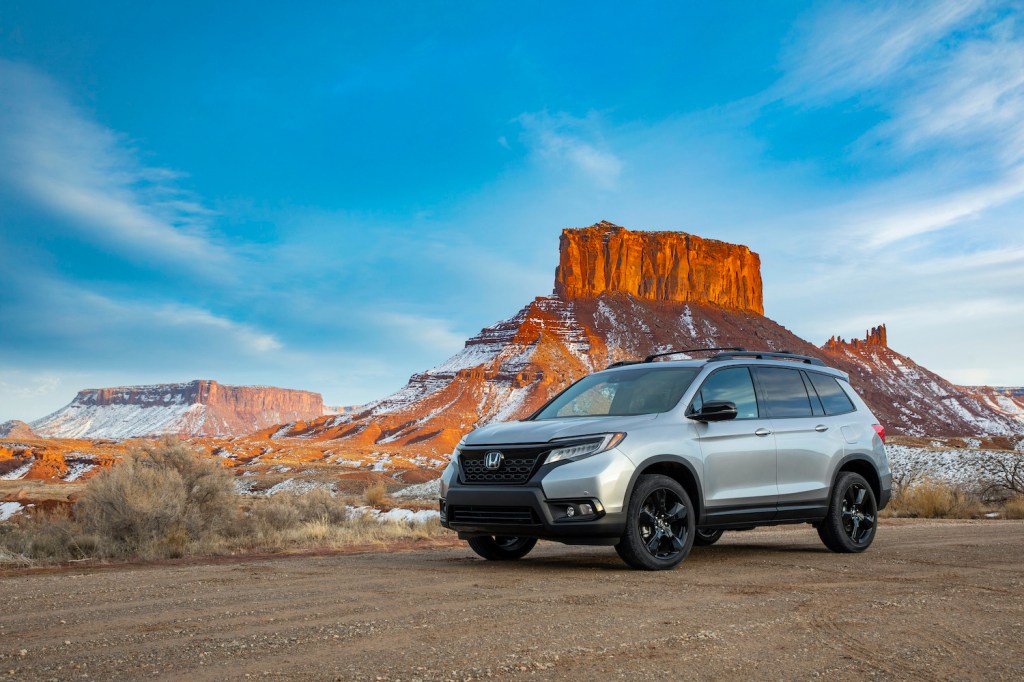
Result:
x=931 y=600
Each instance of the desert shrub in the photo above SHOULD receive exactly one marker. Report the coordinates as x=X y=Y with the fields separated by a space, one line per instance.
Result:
x=1002 y=473
x=932 y=499
x=1014 y=509
x=157 y=501
x=375 y=494
x=47 y=536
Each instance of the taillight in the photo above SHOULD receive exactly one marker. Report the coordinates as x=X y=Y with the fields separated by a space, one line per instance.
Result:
x=880 y=430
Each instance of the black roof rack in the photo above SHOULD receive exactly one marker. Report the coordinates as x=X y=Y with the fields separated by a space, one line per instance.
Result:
x=651 y=358
x=764 y=355
x=622 y=363
x=731 y=353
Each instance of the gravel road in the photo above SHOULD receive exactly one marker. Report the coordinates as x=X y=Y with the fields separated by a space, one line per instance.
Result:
x=931 y=600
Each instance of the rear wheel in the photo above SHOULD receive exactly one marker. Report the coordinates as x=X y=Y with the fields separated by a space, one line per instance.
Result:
x=707 y=537
x=660 y=525
x=852 y=515
x=501 y=547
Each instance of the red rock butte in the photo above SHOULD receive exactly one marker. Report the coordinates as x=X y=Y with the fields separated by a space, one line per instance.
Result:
x=657 y=266
x=873 y=337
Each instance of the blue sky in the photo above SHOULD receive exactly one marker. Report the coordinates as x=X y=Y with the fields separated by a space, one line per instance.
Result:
x=335 y=197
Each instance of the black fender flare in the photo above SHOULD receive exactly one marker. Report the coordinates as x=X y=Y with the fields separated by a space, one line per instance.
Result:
x=670 y=459
x=856 y=457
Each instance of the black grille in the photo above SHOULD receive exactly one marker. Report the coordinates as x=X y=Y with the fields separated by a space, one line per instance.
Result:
x=517 y=466
x=493 y=516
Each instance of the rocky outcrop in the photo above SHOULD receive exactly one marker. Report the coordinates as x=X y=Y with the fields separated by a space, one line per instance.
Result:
x=873 y=337
x=15 y=429
x=1008 y=400
x=200 y=407
x=657 y=266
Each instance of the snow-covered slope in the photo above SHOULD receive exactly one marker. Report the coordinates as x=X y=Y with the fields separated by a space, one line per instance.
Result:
x=195 y=408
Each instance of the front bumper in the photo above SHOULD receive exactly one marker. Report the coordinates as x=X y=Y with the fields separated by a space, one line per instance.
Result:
x=525 y=511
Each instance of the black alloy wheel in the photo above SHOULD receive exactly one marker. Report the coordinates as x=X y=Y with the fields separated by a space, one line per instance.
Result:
x=502 y=547
x=852 y=518
x=858 y=515
x=660 y=525
x=707 y=537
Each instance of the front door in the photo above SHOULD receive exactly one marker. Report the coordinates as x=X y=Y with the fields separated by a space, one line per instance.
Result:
x=740 y=465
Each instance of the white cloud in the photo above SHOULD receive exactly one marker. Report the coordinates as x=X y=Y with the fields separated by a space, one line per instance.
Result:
x=848 y=48
x=563 y=140
x=910 y=218
x=88 y=175
x=949 y=79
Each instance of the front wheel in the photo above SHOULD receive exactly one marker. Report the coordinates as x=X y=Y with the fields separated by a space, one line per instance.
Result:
x=501 y=547
x=852 y=515
x=660 y=525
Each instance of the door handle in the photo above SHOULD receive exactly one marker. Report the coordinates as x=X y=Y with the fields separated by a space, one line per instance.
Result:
x=763 y=432
x=820 y=428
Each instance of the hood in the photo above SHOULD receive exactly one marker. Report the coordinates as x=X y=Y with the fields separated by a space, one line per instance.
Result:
x=542 y=431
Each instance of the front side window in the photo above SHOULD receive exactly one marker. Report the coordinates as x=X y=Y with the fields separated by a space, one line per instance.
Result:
x=785 y=393
x=621 y=393
x=731 y=385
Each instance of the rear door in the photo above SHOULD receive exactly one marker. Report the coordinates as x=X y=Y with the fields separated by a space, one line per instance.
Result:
x=806 y=439
x=739 y=454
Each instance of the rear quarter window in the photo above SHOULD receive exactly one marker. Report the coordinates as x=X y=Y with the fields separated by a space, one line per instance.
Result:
x=833 y=397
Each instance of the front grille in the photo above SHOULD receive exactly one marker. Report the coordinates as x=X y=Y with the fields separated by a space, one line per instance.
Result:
x=492 y=516
x=517 y=466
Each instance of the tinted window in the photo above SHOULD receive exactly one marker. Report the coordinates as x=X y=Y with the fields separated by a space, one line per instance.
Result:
x=623 y=392
x=784 y=392
x=731 y=385
x=832 y=395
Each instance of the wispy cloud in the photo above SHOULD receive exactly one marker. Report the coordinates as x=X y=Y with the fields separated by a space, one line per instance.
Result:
x=572 y=142
x=901 y=219
x=846 y=48
x=949 y=79
x=89 y=176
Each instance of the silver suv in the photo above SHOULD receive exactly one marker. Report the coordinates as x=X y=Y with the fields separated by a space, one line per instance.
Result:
x=654 y=456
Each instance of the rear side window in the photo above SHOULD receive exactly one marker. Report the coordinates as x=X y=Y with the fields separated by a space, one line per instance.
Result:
x=833 y=397
x=731 y=385
x=785 y=393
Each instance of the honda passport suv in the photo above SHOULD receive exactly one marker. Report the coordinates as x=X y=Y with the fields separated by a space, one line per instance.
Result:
x=653 y=456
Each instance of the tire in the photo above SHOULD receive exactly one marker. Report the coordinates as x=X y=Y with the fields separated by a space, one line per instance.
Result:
x=501 y=547
x=660 y=525
x=707 y=537
x=852 y=518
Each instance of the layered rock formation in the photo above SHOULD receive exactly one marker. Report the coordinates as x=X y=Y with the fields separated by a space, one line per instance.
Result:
x=907 y=397
x=1008 y=400
x=623 y=295
x=16 y=429
x=657 y=266
x=195 y=408
x=873 y=337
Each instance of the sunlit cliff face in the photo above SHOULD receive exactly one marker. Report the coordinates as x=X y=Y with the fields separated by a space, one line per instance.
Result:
x=658 y=266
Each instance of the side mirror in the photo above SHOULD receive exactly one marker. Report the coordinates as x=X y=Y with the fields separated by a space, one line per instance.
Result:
x=715 y=411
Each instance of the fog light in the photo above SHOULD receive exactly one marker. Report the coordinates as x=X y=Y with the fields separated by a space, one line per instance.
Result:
x=586 y=509
x=570 y=511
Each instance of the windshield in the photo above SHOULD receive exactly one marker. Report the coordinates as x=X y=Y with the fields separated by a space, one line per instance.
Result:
x=644 y=390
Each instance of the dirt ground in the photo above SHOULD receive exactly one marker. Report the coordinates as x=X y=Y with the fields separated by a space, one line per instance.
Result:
x=930 y=600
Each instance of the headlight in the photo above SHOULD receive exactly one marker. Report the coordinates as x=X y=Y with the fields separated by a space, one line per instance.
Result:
x=585 y=447
x=454 y=457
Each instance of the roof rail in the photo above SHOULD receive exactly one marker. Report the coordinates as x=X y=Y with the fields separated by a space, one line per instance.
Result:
x=622 y=363
x=765 y=355
x=652 y=358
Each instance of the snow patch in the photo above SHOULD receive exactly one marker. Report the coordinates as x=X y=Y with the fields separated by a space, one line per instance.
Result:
x=18 y=473
x=9 y=509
